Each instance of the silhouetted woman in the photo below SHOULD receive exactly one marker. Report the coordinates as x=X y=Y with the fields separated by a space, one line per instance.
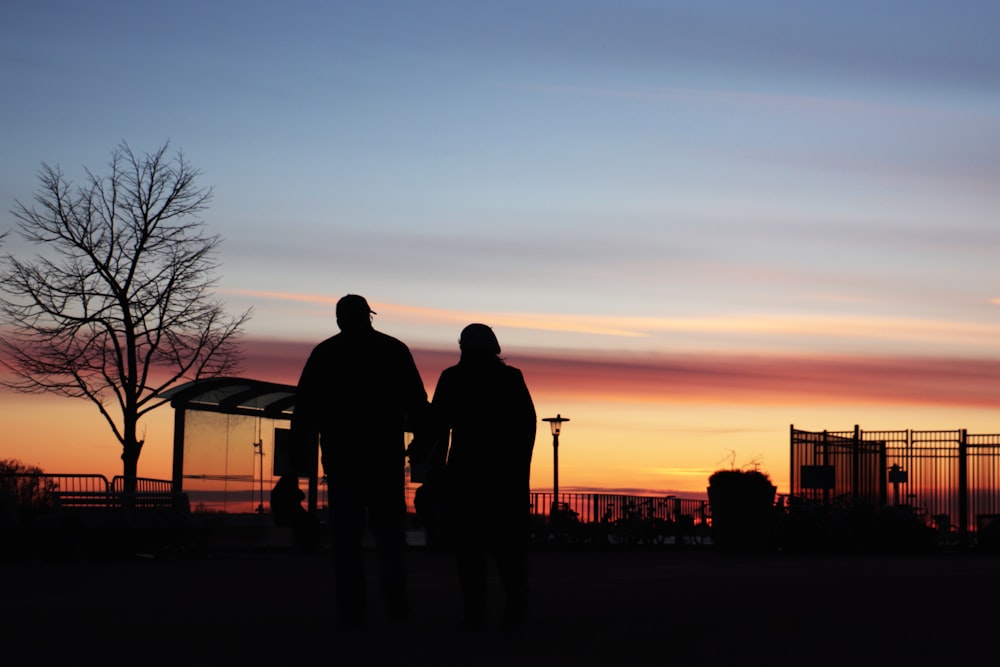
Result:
x=485 y=406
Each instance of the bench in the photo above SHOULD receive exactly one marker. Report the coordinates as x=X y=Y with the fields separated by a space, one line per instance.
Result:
x=113 y=503
x=73 y=500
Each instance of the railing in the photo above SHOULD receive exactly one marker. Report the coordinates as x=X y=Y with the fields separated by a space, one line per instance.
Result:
x=72 y=515
x=80 y=491
x=609 y=507
x=601 y=518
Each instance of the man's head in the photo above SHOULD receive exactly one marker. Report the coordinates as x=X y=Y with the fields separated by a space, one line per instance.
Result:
x=353 y=313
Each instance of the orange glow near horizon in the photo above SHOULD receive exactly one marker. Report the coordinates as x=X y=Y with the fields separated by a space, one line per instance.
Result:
x=647 y=424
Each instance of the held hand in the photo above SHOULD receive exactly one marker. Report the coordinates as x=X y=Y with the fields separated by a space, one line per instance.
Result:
x=417 y=450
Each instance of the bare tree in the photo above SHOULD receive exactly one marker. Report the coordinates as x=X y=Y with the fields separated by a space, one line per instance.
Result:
x=116 y=307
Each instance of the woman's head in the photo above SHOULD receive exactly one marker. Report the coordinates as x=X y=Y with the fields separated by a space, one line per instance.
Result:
x=479 y=339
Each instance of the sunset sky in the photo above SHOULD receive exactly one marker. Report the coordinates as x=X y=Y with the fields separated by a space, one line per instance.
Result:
x=690 y=224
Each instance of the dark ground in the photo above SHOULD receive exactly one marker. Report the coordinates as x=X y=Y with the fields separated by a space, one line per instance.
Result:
x=667 y=607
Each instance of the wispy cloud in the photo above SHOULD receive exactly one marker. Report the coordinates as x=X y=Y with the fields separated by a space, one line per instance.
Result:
x=740 y=98
x=321 y=299
x=771 y=379
x=858 y=327
x=706 y=378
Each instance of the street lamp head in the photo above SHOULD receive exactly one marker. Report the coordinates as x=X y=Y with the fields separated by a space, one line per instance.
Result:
x=556 y=423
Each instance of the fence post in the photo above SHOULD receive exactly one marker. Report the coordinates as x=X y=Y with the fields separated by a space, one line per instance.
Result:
x=791 y=459
x=963 y=488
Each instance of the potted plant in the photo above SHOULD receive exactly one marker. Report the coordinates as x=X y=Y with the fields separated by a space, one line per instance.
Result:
x=741 y=503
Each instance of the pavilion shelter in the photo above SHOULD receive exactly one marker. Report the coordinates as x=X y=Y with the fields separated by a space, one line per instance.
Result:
x=231 y=441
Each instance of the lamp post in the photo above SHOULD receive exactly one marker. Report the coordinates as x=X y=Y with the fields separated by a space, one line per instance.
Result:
x=556 y=424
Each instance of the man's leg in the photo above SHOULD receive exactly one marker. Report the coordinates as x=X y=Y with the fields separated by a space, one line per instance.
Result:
x=473 y=574
x=512 y=568
x=387 y=521
x=347 y=525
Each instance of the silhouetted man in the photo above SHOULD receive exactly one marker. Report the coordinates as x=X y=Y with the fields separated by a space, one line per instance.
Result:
x=356 y=392
x=485 y=406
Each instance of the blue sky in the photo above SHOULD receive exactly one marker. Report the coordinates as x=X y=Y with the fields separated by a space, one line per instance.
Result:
x=617 y=179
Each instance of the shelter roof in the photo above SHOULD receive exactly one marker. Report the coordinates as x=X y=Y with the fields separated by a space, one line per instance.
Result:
x=235 y=396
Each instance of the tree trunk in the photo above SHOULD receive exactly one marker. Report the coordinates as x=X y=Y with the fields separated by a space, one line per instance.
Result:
x=130 y=467
x=131 y=448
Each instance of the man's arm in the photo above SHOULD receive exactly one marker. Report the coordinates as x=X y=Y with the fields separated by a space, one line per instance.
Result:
x=414 y=393
x=304 y=423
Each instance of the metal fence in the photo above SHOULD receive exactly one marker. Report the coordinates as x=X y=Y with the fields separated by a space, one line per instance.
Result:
x=581 y=518
x=619 y=519
x=950 y=479
x=610 y=507
x=92 y=491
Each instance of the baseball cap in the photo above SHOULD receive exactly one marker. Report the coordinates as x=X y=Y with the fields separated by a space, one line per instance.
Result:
x=353 y=305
